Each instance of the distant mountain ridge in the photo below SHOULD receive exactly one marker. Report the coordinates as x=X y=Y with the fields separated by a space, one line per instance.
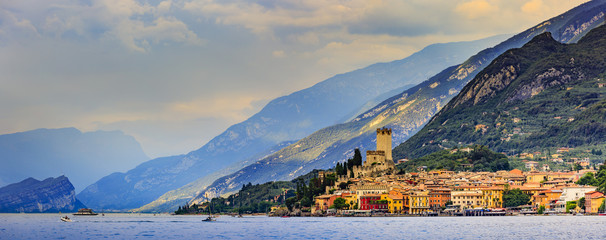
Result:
x=405 y=113
x=84 y=157
x=283 y=119
x=34 y=196
x=545 y=94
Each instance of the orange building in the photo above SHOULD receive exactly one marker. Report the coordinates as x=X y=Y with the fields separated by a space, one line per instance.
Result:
x=547 y=198
x=438 y=197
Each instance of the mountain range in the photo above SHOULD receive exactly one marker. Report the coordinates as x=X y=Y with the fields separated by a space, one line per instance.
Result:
x=84 y=157
x=34 y=196
x=284 y=119
x=543 y=95
x=405 y=113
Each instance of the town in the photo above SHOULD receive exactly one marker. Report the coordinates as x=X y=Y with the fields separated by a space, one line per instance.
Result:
x=478 y=182
x=376 y=188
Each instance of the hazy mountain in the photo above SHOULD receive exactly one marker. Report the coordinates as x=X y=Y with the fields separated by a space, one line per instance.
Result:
x=405 y=113
x=286 y=118
x=545 y=94
x=84 y=157
x=171 y=200
x=34 y=196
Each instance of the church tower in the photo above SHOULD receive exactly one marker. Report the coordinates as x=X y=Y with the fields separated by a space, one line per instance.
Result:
x=384 y=142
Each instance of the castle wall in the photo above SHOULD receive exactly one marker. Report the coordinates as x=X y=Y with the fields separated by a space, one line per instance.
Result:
x=374 y=157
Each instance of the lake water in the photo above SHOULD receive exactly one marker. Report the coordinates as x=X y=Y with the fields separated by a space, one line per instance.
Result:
x=136 y=226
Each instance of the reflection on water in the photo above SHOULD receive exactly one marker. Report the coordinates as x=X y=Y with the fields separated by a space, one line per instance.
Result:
x=143 y=226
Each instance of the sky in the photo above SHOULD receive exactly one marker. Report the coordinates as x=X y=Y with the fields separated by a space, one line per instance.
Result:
x=176 y=73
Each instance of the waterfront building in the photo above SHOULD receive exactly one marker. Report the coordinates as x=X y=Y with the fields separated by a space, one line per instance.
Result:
x=492 y=197
x=419 y=202
x=365 y=189
x=321 y=203
x=547 y=198
x=373 y=202
x=395 y=202
x=438 y=197
x=467 y=197
x=572 y=194
x=593 y=200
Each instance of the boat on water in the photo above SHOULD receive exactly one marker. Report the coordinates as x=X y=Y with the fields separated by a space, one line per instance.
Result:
x=210 y=217
x=66 y=219
x=85 y=212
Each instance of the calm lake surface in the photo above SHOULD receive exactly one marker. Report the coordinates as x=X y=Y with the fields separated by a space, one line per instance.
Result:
x=144 y=226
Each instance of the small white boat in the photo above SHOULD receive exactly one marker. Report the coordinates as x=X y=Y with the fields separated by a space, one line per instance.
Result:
x=209 y=219
x=66 y=219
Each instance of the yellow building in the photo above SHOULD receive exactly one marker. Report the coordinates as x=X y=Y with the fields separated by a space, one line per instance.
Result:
x=536 y=177
x=419 y=202
x=321 y=202
x=492 y=197
x=467 y=197
x=395 y=201
x=593 y=200
x=352 y=200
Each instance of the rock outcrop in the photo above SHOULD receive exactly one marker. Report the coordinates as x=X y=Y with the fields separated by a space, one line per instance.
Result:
x=34 y=196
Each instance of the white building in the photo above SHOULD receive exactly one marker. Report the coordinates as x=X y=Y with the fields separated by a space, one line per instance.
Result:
x=572 y=194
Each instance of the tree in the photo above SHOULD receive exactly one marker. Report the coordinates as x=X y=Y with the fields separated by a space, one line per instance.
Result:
x=577 y=167
x=340 y=203
x=290 y=203
x=570 y=205
x=514 y=198
x=602 y=207
x=541 y=209
x=581 y=203
x=306 y=202
x=338 y=169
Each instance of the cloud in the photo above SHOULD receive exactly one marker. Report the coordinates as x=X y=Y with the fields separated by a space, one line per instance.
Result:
x=164 y=70
x=278 y=54
x=476 y=9
x=533 y=6
x=136 y=25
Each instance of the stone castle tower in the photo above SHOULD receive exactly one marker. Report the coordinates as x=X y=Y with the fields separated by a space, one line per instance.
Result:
x=384 y=142
x=379 y=161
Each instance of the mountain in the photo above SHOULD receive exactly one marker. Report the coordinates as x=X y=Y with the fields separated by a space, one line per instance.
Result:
x=84 y=157
x=171 y=200
x=34 y=196
x=545 y=94
x=405 y=113
x=283 y=119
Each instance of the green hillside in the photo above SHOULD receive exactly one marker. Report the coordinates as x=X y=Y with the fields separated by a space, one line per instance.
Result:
x=474 y=158
x=544 y=95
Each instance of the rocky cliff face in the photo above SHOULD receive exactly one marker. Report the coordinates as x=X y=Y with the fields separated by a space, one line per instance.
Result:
x=34 y=196
x=543 y=95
